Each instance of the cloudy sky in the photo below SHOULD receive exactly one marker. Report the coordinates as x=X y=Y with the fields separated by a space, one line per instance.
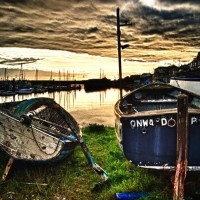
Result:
x=161 y=31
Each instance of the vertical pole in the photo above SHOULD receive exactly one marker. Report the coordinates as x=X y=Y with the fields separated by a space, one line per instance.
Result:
x=182 y=147
x=119 y=52
x=8 y=167
x=13 y=88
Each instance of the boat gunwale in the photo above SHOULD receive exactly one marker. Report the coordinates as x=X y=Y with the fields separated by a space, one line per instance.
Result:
x=170 y=167
x=185 y=78
x=152 y=112
x=135 y=113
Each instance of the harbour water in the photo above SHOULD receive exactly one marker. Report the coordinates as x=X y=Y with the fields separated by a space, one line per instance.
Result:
x=86 y=108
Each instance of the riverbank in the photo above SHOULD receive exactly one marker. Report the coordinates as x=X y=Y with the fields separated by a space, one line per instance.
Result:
x=72 y=179
x=103 y=116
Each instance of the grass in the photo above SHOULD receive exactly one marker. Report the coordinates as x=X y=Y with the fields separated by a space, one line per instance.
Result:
x=72 y=179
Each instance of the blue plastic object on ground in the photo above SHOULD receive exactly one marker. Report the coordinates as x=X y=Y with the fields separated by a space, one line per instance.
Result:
x=130 y=195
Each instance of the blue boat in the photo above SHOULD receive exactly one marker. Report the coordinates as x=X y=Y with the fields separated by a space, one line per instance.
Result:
x=146 y=126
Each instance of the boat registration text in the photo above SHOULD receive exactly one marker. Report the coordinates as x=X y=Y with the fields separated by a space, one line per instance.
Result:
x=163 y=121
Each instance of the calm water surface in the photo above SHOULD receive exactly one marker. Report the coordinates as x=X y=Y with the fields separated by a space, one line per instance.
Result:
x=86 y=108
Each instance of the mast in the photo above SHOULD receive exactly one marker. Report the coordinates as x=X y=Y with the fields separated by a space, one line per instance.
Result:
x=36 y=74
x=21 y=73
x=51 y=76
x=5 y=75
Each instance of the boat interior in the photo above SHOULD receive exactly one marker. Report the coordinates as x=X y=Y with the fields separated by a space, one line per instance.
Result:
x=156 y=98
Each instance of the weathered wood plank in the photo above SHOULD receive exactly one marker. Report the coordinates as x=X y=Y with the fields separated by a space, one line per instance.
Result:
x=7 y=169
x=182 y=147
x=24 y=142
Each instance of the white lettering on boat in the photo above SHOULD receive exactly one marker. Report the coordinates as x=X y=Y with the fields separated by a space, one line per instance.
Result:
x=163 y=121
x=152 y=122
x=195 y=121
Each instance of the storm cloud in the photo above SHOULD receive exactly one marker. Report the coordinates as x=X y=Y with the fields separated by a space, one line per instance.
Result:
x=82 y=26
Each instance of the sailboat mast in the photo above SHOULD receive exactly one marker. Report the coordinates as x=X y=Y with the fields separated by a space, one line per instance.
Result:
x=21 y=74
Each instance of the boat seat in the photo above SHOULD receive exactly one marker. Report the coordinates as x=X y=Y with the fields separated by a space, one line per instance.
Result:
x=145 y=105
x=155 y=106
x=159 y=101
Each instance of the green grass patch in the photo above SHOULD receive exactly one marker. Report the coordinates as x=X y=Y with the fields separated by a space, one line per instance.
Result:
x=72 y=179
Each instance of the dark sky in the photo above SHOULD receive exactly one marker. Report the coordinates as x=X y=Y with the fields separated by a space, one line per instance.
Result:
x=161 y=30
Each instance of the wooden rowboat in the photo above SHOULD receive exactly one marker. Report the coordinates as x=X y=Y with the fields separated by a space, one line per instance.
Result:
x=40 y=141
x=40 y=130
x=146 y=126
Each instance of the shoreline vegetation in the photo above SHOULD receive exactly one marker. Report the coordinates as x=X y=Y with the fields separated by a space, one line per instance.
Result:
x=72 y=179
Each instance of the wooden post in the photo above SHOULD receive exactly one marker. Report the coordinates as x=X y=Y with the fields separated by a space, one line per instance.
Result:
x=7 y=169
x=182 y=147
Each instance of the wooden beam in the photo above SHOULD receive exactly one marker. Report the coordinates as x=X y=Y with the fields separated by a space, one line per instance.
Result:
x=7 y=169
x=182 y=147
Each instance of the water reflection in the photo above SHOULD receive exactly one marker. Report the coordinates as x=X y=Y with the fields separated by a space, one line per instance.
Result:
x=87 y=108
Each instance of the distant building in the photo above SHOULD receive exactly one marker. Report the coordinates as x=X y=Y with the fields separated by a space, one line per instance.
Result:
x=137 y=80
x=195 y=64
x=173 y=70
x=161 y=70
x=184 y=68
x=146 y=78
x=161 y=74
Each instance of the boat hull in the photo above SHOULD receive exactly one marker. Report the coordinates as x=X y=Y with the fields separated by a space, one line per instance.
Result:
x=190 y=84
x=7 y=93
x=25 y=91
x=42 y=140
x=146 y=126
x=147 y=142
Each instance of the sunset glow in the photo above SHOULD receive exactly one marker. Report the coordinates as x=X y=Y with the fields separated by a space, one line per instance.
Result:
x=149 y=3
x=80 y=36
x=83 y=66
